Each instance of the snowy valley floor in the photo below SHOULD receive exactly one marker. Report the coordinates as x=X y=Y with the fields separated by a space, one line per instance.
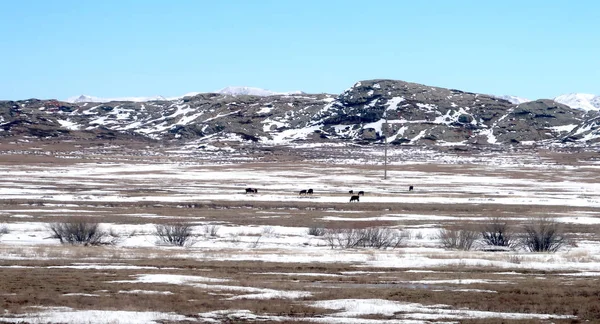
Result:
x=251 y=258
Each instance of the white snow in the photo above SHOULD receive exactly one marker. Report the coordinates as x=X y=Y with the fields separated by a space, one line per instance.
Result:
x=583 y=101
x=361 y=307
x=68 y=124
x=66 y=315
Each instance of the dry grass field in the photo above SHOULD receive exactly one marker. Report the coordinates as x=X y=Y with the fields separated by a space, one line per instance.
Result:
x=250 y=257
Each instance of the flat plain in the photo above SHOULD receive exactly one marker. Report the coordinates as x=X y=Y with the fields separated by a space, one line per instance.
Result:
x=254 y=257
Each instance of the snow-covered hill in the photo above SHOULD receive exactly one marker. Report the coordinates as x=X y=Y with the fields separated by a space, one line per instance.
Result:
x=583 y=101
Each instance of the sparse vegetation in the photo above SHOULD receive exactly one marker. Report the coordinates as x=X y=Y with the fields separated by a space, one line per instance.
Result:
x=543 y=235
x=81 y=232
x=178 y=234
x=497 y=232
x=371 y=237
x=460 y=239
x=316 y=231
x=211 y=230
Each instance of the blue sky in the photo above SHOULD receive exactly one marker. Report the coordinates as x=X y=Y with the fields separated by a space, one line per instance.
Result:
x=529 y=48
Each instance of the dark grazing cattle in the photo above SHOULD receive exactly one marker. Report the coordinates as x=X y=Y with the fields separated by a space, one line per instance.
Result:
x=251 y=190
x=310 y=191
x=361 y=193
x=354 y=198
x=410 y=188
x=351 y=191
x=302 y=192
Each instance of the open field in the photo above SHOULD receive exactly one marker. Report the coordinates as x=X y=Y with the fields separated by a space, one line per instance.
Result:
x=251 y=257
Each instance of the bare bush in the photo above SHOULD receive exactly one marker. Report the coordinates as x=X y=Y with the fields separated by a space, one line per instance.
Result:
x=371 y=237
x=81 y=232
x=178 y=234
x=497 y=232
x=543 y=235
x=316 y=231
x=457 y=239
x=380 y=238
x=344 y=238
x=211 y=230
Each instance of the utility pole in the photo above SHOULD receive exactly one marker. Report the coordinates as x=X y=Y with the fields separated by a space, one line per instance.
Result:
x=385 y=146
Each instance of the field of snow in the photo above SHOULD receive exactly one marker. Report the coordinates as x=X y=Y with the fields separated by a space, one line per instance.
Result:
x=251 y=257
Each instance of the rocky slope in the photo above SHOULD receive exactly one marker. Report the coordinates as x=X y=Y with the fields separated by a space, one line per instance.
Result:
x=368 y=112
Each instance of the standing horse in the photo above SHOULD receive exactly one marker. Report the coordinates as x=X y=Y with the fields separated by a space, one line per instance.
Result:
x=310 y=191
x=354 y=198
x=302 y=192
x=361 y=193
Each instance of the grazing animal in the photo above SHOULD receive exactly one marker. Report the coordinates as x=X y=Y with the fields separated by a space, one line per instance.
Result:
x=410 y=188
x=361 y=193
x=310 y=191
x=251 y=190
x=302 y=192
x=354 y=198
x=351 y=191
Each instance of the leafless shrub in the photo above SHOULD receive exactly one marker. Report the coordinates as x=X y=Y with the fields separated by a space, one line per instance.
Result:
x=457 y=239
x=316 y=231
x=543 y=235
x=211 y=230
x=81 y=232
x=372 y=237
x=344 y=238
x=497 y=232
x=178 y=234
x=380 y=238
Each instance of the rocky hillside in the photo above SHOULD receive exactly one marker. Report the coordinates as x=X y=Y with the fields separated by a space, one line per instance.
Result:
x=368 y=112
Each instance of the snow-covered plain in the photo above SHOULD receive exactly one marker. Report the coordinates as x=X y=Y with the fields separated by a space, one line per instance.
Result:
x=271 y=227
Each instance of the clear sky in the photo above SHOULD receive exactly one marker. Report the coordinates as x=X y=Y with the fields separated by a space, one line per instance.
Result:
x=109 y=48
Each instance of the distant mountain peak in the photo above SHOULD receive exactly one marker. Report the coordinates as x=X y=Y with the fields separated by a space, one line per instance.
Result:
x=583 y=101
x=252 y=91
x=88 y=98
x=513 y=99
x=232 y=91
